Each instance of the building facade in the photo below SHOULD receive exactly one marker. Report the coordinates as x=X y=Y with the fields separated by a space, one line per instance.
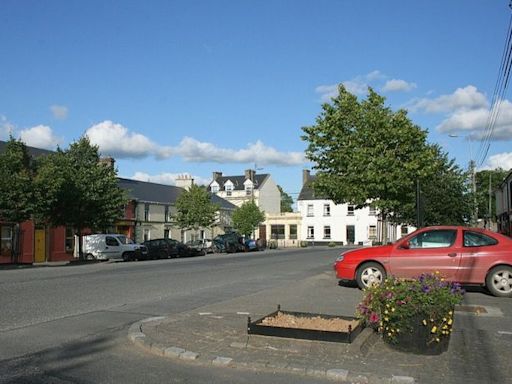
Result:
x=239 y=189
x=504 y=206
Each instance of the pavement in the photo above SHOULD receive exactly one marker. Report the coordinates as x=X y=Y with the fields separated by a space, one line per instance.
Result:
x=216 y=335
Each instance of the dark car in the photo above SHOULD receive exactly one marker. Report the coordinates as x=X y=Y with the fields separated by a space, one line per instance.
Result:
x=196 y=248
x=165 y=249
x=230 y=242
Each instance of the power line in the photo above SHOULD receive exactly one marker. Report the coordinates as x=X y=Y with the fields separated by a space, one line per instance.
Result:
x=498 y=96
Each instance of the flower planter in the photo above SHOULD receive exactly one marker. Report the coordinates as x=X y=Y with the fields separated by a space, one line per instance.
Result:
x=263 y=327
x=418 y=339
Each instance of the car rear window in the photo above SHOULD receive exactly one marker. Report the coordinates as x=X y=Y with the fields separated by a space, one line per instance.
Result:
x=476 y=239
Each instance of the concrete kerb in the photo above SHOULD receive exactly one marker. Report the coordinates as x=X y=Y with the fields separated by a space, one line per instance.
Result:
x=362 y=344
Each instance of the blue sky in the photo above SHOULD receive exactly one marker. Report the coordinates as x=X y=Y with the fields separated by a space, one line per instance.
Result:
x=192 y=87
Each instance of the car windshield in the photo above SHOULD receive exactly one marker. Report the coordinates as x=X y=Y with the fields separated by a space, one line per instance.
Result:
x=124 y=240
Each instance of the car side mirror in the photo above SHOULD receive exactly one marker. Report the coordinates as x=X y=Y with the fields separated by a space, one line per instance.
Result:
x=405 y=245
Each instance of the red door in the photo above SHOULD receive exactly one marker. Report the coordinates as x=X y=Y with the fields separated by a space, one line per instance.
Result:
x=430 y=251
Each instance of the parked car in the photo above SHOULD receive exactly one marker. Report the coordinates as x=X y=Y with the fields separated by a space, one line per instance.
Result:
x=470 y=256
x=165 y=248
x=110 y=246
x=230 y=242
x=253 y=245
x=196 y=248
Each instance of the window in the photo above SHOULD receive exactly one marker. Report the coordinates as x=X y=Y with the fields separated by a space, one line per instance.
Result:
x=373 y=211
x=327 y=209
x=350 y=210
x=146 y=234
x=166 y=233
x=327 y=232
x=215 y=188
x=372 y=232
x=293 y=231
x=6 y=240
x=166 y=214
x=229 y=189
x=474 y=239
x=248 y=190
x=311 y=232
x=434 y=239
x=310 y=211
x=404 y=230
x=111 y=241
x=277 y=231
x=146 y=212
x=70 y=240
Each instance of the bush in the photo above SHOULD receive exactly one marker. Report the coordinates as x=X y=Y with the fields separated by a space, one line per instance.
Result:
x=391 y=308
x=303 y=244
x=332 y=244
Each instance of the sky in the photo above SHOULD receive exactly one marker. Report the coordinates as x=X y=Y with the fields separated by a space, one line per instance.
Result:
x=190 y=87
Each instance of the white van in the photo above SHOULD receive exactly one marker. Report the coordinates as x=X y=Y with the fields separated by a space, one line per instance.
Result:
x=110 y=247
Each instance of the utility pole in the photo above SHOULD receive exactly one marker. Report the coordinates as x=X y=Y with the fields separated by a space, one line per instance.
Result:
x=473 y=190
x=489 y=210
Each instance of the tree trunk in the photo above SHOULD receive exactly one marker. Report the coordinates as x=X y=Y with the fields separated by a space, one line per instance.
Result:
x=80 y=244
x=384 y=239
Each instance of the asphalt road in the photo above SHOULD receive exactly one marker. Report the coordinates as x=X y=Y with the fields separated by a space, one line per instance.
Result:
x=68 y=324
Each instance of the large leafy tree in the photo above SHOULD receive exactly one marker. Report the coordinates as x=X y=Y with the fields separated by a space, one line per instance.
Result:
x=247 y=217
x=286 y=201
x=195 y=209
x=74 y=188
x=365 y=153
x=16 y=190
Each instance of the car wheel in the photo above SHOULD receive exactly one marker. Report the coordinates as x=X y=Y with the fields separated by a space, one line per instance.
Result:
x=127 y=256
x=370 y=274
x=499 y=281
x=90 y=256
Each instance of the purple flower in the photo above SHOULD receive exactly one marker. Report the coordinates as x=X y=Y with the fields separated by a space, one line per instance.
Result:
x=425 y=289
x=374 y=318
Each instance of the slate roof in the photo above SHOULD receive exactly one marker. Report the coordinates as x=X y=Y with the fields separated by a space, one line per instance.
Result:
x=159 y=193
x=238 y=181
x=307 y=192
x=32 y=151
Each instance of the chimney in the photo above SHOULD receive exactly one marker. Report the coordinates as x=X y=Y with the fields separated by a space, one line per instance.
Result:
x=108 y=161
x=184 y=181
x=305 y=176
x=249 y=174
x=216 y=175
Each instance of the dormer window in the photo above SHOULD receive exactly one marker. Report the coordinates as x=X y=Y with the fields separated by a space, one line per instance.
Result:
x=215 y=188
x=248 y=190
x=229 y=189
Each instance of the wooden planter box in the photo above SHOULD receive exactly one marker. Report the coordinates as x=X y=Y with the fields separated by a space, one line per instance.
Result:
x=259 y=327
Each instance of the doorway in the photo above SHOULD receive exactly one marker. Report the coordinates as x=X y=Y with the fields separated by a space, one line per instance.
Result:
x=39 y=246
x=351 y=234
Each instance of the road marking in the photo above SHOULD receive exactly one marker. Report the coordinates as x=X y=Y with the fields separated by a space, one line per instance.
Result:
x=243 y=313
x=205 y=313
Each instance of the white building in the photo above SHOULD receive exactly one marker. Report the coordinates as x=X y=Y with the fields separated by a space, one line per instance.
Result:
x=325 y=222
x=251 y=186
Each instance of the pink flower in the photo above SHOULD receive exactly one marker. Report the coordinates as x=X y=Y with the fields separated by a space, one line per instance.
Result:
x=374 y=318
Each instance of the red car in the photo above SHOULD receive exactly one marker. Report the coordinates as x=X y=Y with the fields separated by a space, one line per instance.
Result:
x=460 y=254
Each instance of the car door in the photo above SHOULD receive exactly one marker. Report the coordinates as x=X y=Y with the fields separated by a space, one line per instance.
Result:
x=112 y=248
x=479 y=252
x=428 y=251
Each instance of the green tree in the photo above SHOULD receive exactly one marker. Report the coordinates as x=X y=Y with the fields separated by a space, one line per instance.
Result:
x=16 y=190
x=444 y=198
x=247 y=217
x=195 y=209
x=286 y=201
x=487 y=181
x=75 y=189
x=363 y=152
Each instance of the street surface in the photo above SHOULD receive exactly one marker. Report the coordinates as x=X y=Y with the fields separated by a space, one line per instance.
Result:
x=68 y=324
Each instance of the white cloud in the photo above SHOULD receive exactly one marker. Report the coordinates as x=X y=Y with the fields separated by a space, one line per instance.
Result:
x=168 y=178
x=59 y=112
x=117 y=141
x=357 y=86
x=40 y=136
x=466 y=98
x=500 y=160
x=398 y=85
x=195 y=151
x=474 y=122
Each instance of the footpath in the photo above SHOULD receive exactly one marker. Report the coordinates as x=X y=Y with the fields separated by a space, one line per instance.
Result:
x=480 y=350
